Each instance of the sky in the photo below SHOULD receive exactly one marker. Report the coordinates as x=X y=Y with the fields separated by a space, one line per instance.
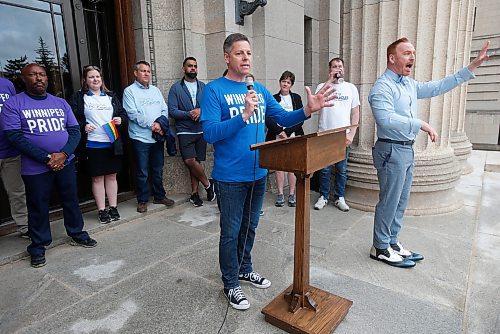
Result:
x=20 y=30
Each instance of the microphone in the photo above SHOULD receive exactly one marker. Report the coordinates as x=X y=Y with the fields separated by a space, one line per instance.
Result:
x=339 y=77
x=249 y=84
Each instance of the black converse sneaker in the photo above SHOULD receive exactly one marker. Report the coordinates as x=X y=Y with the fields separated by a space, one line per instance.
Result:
x=236 y=298
x=256 y=280
x=211 y=196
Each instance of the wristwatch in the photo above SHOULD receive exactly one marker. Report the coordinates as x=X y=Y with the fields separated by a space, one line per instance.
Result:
x=47 y=158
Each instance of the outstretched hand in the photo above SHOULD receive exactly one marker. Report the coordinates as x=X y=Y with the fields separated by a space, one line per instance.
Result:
x=481 y=57
x=319 y=100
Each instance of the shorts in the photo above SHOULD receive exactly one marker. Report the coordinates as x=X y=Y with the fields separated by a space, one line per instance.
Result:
x=192 y=146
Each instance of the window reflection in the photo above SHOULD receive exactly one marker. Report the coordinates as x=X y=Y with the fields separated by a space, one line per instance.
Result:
x=31 y=3
x=29 y=36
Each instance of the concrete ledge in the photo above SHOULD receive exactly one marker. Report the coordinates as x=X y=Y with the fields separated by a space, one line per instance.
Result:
x=14 y=247
x=492 y=162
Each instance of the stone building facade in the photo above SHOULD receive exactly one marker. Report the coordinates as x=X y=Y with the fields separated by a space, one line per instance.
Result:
x=482 y=118
x=302 y=36
x=296 y=35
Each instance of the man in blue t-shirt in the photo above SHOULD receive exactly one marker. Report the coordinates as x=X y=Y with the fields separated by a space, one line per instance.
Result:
x=10 y=166
x=43 y=128
x=233 y=118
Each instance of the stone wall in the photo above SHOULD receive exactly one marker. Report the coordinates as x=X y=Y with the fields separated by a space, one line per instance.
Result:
x=483 y=94
x=296 y=35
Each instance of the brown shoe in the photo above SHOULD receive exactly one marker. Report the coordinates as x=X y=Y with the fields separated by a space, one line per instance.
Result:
x=166 y=201
x=142 y=207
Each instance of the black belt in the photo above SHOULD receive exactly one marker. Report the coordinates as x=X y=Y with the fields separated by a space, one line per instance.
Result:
x=400 y=142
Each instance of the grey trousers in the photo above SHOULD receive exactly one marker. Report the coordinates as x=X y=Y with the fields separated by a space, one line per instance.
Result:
x=10 y=172
x=394 y=164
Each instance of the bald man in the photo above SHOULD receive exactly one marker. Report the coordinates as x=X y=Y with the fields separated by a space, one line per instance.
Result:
x=43 y=128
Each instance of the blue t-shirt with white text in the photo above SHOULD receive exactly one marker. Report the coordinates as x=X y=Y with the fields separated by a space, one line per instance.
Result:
x=222 y=103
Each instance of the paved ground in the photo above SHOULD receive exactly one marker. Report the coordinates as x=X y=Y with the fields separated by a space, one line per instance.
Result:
x=158 y=273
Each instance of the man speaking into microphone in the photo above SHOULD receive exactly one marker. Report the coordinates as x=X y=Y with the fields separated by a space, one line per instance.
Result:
x=233 y=118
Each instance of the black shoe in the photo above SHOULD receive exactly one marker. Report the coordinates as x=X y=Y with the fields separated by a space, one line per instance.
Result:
x=38 y=261
x=390 y=257
x=166 y=201
x=256 y=280
x=142 y=207
x=113 y=213
x=211 y=196
x=236 y=298
x=87 y=243
x=104 y=216
x=196 y=200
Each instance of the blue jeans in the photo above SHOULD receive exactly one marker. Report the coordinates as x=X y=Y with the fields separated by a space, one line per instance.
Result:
x=340 y=178
x=240 y=204
x=394 y=164
x=149 y=156
x=38 y=191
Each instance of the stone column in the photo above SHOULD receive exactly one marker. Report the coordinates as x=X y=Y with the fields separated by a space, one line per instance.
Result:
x=461 y=145
x=432 y=27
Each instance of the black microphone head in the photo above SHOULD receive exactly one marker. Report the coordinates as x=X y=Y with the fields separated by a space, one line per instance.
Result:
x=249 y=82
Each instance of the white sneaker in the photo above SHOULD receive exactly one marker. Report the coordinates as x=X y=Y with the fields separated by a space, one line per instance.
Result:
x=341 y=204
x=320 y=204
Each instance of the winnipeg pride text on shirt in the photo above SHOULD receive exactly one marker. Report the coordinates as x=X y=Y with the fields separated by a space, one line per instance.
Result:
x=238 y=100
x=45 y=120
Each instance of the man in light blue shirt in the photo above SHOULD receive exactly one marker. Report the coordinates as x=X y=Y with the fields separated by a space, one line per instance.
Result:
x=145 y=107
x=393 y=100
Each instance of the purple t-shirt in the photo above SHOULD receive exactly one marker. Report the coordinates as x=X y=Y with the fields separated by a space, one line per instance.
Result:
x=6 y=90
x=43 y=123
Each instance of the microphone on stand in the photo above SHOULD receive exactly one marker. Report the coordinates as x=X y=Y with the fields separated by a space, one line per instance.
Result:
x=249 y=84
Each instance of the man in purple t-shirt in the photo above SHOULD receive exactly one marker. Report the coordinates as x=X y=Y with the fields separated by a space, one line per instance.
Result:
x=43 y=128
x=10 y=166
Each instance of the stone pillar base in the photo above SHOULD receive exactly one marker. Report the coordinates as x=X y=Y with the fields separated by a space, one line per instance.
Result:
x=433 y=191
x=420 y=204
x=462 y=148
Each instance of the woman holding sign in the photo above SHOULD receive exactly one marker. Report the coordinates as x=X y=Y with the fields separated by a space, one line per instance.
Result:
x=100 y=115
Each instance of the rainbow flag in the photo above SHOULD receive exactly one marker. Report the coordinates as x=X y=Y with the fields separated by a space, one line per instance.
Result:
x=111 y=131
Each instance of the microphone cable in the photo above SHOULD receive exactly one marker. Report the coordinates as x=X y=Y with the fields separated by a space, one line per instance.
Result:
x=249 y=214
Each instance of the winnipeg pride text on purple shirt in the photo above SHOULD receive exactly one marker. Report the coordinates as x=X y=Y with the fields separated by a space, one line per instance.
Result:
x=6 y=90
x=43 y=123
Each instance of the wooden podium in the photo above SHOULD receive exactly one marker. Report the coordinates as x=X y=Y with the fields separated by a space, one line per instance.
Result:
x=302 y=308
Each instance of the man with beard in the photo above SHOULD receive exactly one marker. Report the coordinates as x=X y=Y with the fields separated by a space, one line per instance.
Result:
x=393 y=100
x=43 y=128
x=184 y=107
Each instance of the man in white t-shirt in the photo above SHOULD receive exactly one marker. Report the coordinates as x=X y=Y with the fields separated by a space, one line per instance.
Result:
x=344 y=112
